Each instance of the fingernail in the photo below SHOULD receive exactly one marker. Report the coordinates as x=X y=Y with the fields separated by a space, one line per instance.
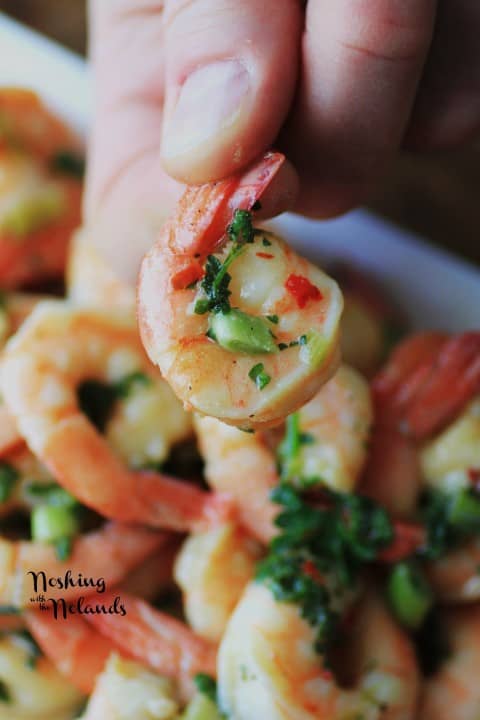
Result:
x=210 y=101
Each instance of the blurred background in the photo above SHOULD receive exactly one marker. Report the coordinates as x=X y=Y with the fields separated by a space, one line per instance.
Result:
x=437 y=195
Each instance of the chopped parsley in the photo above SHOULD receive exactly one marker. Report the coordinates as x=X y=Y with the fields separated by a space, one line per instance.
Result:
x=259 y=376
x=266 y=242
x=314 y=541
x=68 y=162
x=449 y=519
x=215 y=284
x=5 y=696
x=273 y=319
x=206 y=685
x=8 y=477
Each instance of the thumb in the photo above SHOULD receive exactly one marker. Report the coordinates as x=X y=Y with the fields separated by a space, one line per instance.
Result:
x=231 y=69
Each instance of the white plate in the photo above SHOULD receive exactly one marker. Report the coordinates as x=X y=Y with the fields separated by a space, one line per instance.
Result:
x=436 y=289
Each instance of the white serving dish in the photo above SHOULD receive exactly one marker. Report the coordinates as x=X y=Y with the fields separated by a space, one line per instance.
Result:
x=436 y=289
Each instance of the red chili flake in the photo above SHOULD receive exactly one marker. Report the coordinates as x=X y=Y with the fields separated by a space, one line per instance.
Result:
x=408 y=538
x=267 y=256
x=474 y=476
x=309 y=569
x=187 y=275
x=302 y=289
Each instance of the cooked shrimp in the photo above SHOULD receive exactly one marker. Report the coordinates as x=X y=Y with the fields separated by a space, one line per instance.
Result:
x=25 y=470
x=77 y=651
x=91 y=282
x=237 y=373
x=336 y=423
x=454 y=691
x=212 y=569
x=369 y=322
x=243 y=466
x=108 y=553
x=154 y=575
x=10 y=438
x=126 y=690
x=54 y=351
x=268 y=667
x=158 y=640
x=40 y=204
x=32 y=690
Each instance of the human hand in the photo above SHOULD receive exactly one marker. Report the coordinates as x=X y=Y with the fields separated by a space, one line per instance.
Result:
x=195 y=89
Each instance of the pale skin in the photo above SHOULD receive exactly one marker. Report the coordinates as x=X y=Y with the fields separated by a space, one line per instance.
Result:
x=181 y=89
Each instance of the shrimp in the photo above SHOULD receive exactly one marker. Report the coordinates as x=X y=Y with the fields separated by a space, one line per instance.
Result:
x=268 y=667
x=428 y=434
x=108 y=553
x=40 y=198
x=32 y=690
x=212 y=569
x=157 y=640
x=331 y=439
x=127 y=690
x=91 y=282
x=369 y=322
x=454 y=691
x=255 y=364
x=77 y=651
x=56 y=349
x=10 y=438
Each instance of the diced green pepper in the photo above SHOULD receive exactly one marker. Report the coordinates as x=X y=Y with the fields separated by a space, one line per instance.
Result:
x=237 y=331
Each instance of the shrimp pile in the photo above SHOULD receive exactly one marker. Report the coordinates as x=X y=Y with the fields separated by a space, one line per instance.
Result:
x=283 y=523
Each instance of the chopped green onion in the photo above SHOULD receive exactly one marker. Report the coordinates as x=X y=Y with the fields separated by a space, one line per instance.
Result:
x=63 y=548
x=314 y=348
x=464 y=511
x=207 y=685
x=8 y=477
x=237 y=331
x=51 y=523
x=409 y=594
x=289 y=449
x=259 y=376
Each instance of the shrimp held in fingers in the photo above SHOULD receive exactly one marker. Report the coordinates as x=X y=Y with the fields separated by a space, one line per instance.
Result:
x=248 y=346
x=268 y=667
x=157 y=640
x=57 y=349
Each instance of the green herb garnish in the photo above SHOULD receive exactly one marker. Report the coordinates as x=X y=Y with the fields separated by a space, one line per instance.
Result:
x=68 y=162
x=336 y=539
x=259 y=376
x=124 y=387
x=273 y=319
x=206 y=685
x=5 y=696
x=8 y=477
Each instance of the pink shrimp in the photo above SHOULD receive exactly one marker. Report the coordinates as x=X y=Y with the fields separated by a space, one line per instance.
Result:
x=275 y=295
x=157 y=640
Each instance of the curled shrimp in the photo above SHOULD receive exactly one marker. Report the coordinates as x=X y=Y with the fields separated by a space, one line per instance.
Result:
x=157 y=640
x=212 y=569
x=331 y=436
x=428 y=435
x=268 y=667
x=32 y=687
x=75 y=648
x=126 y=689
x=108 y=553
x=91 y=282
x=266 y=279
x=40 y=200
x=453 y=691
x=54 y=351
